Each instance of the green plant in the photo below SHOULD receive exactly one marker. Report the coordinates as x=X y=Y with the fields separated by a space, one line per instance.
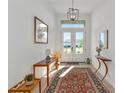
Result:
x=29 y=77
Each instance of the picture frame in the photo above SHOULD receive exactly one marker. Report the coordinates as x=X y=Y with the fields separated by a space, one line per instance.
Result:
x=40 y=31
x=103 y=39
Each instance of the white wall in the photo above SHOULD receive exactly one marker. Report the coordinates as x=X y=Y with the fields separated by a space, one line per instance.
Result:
x=58 y=40
x=103 y=19
x=23 y=53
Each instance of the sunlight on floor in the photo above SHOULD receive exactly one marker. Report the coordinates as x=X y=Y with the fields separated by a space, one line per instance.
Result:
x=63 y=74
x=54 y=71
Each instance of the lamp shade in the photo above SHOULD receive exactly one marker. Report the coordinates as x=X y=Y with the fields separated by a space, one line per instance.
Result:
x=47 y=52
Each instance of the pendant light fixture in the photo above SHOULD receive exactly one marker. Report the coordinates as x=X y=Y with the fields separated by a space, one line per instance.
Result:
x=73 y=14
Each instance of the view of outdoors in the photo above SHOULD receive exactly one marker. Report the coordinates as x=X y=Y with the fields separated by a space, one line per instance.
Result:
x=67 y=42
x=101 y=44
x=78 y=45
x=72 y=25
x=79 y=42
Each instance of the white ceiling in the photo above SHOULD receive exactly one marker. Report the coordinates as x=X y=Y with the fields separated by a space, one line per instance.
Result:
x=84 y=6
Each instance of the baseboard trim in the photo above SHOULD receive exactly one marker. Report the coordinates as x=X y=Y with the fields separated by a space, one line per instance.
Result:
x=72 y=63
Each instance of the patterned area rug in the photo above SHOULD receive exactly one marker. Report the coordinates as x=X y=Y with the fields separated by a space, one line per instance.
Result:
x=77 y=80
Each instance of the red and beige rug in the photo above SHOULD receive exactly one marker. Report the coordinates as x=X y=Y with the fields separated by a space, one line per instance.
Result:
x=76 y=80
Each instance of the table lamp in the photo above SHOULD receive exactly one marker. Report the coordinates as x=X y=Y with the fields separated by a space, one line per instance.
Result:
x=47 y=52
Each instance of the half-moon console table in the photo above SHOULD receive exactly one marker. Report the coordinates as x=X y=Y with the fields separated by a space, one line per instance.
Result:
x=104 y=60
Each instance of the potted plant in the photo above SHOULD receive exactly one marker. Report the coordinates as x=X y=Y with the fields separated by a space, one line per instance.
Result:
x=29 y=79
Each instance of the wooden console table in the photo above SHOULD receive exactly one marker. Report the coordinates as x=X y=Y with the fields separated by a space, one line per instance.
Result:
x=104 y=60
x=44 y=63
x=21 y=87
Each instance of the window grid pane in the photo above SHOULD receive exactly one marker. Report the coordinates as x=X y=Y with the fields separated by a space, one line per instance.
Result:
x=67 y=42
x=79 y=43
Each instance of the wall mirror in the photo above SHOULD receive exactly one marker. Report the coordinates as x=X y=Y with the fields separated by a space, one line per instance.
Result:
x=40 y=31
x=103 y=39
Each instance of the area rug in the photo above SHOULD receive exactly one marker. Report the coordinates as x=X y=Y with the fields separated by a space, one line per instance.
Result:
x=77 y=80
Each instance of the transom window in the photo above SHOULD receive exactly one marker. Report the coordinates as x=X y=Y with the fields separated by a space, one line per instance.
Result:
x=71 y=24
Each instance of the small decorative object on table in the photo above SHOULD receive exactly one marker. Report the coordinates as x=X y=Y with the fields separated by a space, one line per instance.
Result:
x=98 y=50
x=48 y=52
x=88 y=61
x=57 y=57
x=29 y=79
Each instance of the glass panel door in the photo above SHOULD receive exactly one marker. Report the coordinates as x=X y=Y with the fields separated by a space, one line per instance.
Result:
x=67 y=42
x=67 y=46
x=79 y=43
x=73 y=46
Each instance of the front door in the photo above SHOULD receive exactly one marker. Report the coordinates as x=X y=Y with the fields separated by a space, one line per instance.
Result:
x=73 y=45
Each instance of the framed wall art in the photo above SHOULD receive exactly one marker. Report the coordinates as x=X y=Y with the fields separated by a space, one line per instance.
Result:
x=40 y=31
x=103 y=39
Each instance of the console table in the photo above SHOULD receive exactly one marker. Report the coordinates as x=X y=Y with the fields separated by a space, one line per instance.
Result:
x=21 y=87
x=42 y=71
x=104 y=60
x=44 y=63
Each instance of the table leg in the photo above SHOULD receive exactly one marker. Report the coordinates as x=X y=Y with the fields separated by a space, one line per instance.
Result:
x=47 y=75
x=34 y=72
x=106 y=71
x=39 y=86
x=99 y=66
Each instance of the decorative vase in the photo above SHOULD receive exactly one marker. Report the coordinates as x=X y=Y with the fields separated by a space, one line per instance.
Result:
x=47 y=57
x=28 y=83
x=88 y=61
x=98 y=53
x=29 y=78
x=57 y=65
